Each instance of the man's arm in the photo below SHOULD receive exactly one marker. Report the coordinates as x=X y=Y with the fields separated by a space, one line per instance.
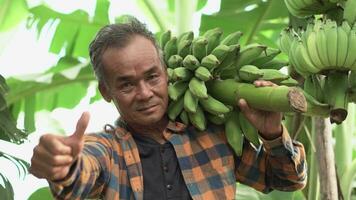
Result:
x=277 y=164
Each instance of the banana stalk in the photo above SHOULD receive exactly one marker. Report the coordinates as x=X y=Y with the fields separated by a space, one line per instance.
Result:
x=279 y=98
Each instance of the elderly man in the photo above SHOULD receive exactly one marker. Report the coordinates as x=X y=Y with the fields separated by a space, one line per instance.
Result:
x=146 y=156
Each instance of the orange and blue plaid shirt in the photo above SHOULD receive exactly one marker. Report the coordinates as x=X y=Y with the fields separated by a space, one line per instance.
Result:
x=110 y=167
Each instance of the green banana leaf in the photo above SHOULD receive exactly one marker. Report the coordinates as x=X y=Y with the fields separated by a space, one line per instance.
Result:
x=260 y=21
x=6 y=190
x=43 y=193
x=12 y=12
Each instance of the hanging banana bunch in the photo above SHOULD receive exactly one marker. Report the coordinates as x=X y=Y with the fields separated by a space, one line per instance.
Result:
x=303 y=8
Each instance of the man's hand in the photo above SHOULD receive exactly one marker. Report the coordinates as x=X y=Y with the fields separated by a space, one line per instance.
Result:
x=267 y=123
x=54 y=155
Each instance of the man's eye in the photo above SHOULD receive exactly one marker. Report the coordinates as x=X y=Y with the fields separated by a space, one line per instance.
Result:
x=152 y=76
x=126 y=86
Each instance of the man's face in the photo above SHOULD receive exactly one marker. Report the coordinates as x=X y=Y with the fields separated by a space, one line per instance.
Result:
x=136 y=81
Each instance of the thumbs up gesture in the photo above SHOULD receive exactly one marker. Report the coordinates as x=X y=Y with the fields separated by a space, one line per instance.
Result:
x=54 y=155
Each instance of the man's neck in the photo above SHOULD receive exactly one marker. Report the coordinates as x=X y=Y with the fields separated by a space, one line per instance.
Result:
x=154 y=131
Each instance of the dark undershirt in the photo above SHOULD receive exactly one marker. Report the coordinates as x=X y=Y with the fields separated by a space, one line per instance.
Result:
x=162 y=177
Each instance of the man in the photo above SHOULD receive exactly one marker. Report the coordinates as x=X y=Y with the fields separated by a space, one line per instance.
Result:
x=146 y=156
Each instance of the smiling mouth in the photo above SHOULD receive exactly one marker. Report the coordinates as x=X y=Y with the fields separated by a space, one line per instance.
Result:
x=145 y=108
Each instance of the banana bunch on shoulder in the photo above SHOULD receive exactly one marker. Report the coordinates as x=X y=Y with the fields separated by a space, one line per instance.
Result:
x=324 y=46
x=303 y=8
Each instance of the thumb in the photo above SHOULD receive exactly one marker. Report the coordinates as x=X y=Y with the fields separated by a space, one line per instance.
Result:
x=246 y=109
x=75 y=141
x=82 y=125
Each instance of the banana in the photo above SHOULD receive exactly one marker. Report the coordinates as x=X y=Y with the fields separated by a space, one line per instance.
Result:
x=184 y=117
x=199 y=47
x=274 y=64
x=249 y=131
x=248 y=53
x=165 y=37
x=191 y=62
x=290 y=82
x=342 y=46
x=184 y=48
x=294 y=61
x=234 y=133
x=216 y=119
x=177 y=89
x=198 y=119
x=331 y=37
x=229 y=59
x=221 y=51
x=250 y=73
x=313 y=51
x=182 y=73
x=273 y=75
x=213 y=106
x=189 y=35
x=198 y=88
x=203 y=74
x=174 y=108
x=170 y=74
x=350 y=11
x=321 y=45
x=350 y=61
x=190 y=102
x=232 y=38
x=210 y=62
x=313 y=87
x=303 y=58
x=213 y=38
x=284 y=40
x=170 y=48
x=175 y=61
x=266 y=56
x=229 y=73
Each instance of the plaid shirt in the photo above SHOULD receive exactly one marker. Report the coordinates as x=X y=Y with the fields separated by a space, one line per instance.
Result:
x=110 y=166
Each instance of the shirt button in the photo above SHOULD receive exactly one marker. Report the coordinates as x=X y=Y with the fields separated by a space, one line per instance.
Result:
x=165 y=168
x=169 y=187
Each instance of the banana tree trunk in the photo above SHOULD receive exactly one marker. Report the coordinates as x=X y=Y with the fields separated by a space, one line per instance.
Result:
x=325 y=155
x=279 y=98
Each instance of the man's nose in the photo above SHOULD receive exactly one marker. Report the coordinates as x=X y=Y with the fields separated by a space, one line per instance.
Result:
x=144 y=91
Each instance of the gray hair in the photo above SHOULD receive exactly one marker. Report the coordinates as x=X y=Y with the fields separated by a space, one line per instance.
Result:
x=118 y=36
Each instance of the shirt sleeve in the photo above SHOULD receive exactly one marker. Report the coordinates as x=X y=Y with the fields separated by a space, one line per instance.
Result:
x=276 y=164
x=89 y=174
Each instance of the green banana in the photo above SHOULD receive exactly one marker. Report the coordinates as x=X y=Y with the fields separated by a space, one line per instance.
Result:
x=273 y=75
x=199 y=47
x=210 y=62
x=175 y=61
x=350 y=11
x=229 y=59
x=321 y=45
x=216 y=119
x=174 y=108
x=285 y=40
x=203 y=74
x=313 y=87
x=331 y=36
x=295 y=62
x=198 y=88
x=213 y=38
x=232 y=38
x=221 y=51
x=191 y=62
x=313 y=51
x=182 y=73
x=248 y=53
x=198 y=119
x=177 y=89
x=190 y=102
x=290 y=82
x=274 y=64
x=350 y=61
x=249 y=131
x=213 y=106
x=165 y=37
x=170 y=48
x=189 y=35
x=170 y=74
x=342 y=46
x=303 y=58
x=234 y=133
x=265 y=57
x=184 y=117
x=184 y=48
x=250 y=73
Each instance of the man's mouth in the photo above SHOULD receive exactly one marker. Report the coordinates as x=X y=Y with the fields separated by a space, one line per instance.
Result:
x=140 y=109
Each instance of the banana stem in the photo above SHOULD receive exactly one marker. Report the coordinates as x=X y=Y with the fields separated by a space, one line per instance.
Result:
x=278 y=99
x=313 y=182
x=337 y=93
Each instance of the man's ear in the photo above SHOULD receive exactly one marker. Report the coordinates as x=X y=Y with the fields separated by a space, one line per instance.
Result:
x=104 y=91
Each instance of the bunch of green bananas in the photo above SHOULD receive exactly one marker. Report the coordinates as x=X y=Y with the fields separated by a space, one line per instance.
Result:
x=324 y=46
x=303 y=8
x=193 y=63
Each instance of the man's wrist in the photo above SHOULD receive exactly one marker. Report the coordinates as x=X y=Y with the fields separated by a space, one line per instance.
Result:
x=272 y=134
